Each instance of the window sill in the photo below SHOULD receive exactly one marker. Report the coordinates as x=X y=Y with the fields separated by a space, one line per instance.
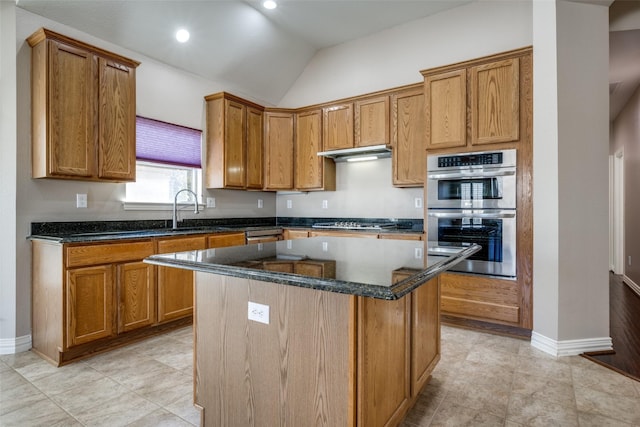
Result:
x=147 y=206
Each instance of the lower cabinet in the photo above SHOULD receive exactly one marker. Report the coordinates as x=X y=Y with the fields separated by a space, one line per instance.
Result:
x=89 y=304
x=175 y=286
x=398 y=348
x=136 y=293
x=89 y=297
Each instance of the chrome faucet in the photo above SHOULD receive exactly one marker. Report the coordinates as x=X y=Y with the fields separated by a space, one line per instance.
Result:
x=175 y=206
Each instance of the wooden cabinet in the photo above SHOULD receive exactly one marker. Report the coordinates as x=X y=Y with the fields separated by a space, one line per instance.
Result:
x=446 y=98
x=312 y=172
x=89 y=302
x=477 y=102
x=480 y=298
x=337 y=126
x=495 y=102
x=175 y=286
x=224 y=240
x=384 y=361
x=372 y=121
x=399 y=347
x=234 y=143
x=136 y=295
x=408 y=138
x=279 y=150
x=290 y=234
x=83 y=110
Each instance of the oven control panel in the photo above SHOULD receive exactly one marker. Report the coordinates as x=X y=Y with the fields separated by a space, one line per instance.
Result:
x=470 y=160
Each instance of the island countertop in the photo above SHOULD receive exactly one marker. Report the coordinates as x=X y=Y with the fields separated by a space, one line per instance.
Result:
x=363 y=267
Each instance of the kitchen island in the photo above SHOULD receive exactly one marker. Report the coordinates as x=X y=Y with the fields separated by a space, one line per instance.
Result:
x=331 y=331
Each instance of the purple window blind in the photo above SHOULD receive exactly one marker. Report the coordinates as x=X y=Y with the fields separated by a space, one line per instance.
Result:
x=162 y=142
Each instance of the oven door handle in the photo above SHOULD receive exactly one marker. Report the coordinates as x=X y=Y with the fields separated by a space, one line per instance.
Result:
x=471 y=174
x=458 y=215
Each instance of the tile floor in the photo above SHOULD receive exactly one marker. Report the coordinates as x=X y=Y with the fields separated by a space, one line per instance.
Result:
x=482 y=380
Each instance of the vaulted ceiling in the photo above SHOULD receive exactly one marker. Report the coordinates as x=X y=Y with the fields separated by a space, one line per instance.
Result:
x=240 y=42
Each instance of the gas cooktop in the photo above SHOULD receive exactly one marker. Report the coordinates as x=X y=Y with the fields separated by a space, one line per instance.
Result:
x=353 y=225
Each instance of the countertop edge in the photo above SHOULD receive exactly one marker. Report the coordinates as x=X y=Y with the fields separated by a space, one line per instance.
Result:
x=393 y=292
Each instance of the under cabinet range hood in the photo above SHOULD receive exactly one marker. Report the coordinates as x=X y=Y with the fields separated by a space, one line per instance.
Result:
x=358 y=154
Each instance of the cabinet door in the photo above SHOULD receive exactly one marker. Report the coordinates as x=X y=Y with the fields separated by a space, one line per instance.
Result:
x=408 y=138
x=279 y=266
x=255 y=149
x=175 y=286
x=279 y=151
x=117 y=121
x=337 y=127
x=384 y=350
x=136 y=296
x=310 y=168
x=372 y=121
x=234 y=145
x=90 y=309
x=495 y=102
x=446 y=109
x=425 y=333
x=72 y=111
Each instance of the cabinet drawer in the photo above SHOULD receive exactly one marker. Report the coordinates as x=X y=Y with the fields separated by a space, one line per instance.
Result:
x=181 y=244
x=224 y=240
x=108 y=253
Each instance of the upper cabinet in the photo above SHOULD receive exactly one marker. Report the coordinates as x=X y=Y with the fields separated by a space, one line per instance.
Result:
x=372 y=121
x=234 y=143
x=478 y=102
x=83 y=110
x=337 y=127
x=279 y=149
x=408 y=137
x=312 y=172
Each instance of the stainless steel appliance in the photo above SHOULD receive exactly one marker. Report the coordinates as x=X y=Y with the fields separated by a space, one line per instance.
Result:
x=471 y=198
x=472 y=180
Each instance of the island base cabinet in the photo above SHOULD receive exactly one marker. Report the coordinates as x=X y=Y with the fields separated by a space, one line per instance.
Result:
x=320 y=358
x=294 y=370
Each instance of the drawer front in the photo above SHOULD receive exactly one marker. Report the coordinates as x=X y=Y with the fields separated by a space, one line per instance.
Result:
x=401 y=236
x=181 y=244
x=224 y=240
x=108 y=253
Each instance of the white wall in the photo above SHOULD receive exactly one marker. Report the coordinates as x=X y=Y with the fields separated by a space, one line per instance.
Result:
x=390 y=59
x=571 y=285
x=9 y=292
x=363 y=190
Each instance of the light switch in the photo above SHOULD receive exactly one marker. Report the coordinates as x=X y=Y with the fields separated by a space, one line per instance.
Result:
x=211 y=202
x=417 y=202
x=325 y=204
x=260 y=204
x=289 y=204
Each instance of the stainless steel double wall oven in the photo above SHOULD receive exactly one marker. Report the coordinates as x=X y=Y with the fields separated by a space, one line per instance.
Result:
x=471 y=198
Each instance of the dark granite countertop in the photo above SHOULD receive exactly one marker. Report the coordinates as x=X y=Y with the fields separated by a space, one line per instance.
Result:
x=363 y=267
x=97 y=231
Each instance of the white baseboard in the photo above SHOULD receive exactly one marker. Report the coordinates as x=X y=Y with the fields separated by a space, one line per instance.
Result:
x=570 y=347
x=630 y=283
x=15 y=345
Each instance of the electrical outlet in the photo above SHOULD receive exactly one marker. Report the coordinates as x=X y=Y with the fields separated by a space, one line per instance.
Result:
x=260 y=204
x=325 y=204
x=417 y=253
x=325 y=246
x=260 y=246
x=81 y=200
x=211 y=202
x=417 y=202
x=289 y=204
x=258 y=312
x=289 y=244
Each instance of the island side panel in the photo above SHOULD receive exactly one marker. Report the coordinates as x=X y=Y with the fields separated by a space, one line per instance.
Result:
x=294 y=371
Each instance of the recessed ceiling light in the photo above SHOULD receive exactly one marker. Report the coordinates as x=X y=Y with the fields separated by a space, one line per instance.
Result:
x=182 y=35
x=269 y=4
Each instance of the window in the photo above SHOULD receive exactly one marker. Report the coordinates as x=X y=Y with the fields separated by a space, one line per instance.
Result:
x=168 y=160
